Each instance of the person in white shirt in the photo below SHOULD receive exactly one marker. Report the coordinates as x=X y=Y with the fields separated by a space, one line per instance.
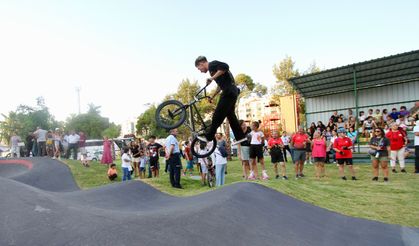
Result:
x=416 y=132
x=256 y=151
x=15 y=148
x=41 y=139
x=220 y=163
x=126 y=165
x=73 y=143
x=286 y=140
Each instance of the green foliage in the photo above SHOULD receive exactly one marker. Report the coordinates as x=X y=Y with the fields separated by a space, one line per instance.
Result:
x=283 y=72
x=113 y=131
x=147 y=126
x=26 y=119
x=90 y=123
x=261 y=89
x=245 y=81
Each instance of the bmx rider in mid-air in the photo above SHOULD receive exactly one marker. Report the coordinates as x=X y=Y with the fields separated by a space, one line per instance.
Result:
x=220 y=72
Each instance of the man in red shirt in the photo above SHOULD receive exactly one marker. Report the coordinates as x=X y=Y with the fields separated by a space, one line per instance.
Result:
x=298 y=143
x=276 y=146
x=398 y=142
x=343 y=147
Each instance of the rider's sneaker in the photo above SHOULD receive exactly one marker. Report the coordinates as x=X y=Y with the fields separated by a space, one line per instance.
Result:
x=264 y=175
x=239 y=141
x=202 y=139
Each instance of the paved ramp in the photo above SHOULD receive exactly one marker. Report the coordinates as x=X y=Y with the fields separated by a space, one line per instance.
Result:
x=43 y=206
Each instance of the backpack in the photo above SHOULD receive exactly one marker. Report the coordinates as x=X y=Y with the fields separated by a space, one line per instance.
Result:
x=223 y=151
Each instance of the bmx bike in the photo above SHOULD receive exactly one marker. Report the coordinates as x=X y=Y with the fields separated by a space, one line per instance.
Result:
x=173 y=113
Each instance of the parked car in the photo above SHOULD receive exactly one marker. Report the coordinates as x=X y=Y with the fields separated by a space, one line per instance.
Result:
x=5 y=151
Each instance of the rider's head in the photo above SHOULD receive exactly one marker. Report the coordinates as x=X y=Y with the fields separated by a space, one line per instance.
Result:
x=202 y=64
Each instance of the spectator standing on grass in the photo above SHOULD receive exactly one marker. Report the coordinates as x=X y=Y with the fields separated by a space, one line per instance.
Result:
x=343 y=148
x=50 y=144
x=256 y=152
x=173 y=156
x=153 y=150
x=398 y=142
x=57 y=144
x=107 y=151
x=286 y=140
x=41 y=139
x=416 y=132
x=189 y=159
x=73 y=142
x=65 y=144
x=319 y=154
x=204 y=163
x=379 y=156
x=276 y=146
x=29 y=144
x=126 y=165
x=243 y=150
x=135 y=154
x=299 y=141
x=220 y=163
x=14 y=142
x=332 y=141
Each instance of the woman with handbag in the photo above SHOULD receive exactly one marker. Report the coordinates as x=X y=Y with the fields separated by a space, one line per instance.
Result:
x=380 y=147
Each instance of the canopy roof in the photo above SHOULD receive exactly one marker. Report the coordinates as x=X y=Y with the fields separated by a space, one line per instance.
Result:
x=394 y=69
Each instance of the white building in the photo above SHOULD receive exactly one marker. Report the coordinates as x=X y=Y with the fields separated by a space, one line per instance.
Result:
x=255 y=107
x=128 y=127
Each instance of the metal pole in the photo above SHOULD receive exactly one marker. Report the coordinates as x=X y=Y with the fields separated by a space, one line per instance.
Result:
x=356 y=108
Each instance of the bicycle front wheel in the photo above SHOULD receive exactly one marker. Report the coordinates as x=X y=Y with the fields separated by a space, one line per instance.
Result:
x=170 y=114
x=202 y=149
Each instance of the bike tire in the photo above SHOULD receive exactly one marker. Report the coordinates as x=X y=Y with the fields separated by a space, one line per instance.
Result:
x=163 y=119
x=208 y=153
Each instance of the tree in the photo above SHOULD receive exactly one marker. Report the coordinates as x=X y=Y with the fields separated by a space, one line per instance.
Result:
x=147 y=126
x=261 y=89
x=113 y=131
x=91 y=123
x=313 y=68
x=283 y=72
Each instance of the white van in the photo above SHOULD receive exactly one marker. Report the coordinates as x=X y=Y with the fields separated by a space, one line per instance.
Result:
x=94 y=148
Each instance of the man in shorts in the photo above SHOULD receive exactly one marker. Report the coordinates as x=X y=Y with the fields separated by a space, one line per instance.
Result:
x=298 y=142
x=343 y=147
x=153 y=150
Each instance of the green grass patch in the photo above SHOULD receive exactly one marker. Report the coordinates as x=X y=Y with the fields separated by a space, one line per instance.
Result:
x=394 y=202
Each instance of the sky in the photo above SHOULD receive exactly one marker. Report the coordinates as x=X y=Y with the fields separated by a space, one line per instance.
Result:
x=125 y=55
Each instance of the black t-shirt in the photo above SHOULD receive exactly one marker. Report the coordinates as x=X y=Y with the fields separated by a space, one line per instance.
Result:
x=225 y=81
x=335 y=118
x=153 y=150
x=248 y=136
x=383 y=142
x=135 y=152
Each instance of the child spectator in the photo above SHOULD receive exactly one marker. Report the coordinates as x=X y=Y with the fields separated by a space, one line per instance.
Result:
x=126 y=165
x=404 y=111
x=112 y=173
x=370 y=113
x=276 y=146
x=204 y=162
x=189 y=159
x=143 y=162
x=369 y=124
x=256 y=151
x=385 y=115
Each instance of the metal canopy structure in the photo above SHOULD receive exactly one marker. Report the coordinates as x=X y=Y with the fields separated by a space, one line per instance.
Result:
x=388 y=70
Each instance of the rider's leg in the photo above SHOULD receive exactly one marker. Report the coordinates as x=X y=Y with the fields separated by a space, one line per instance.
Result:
x=235 y=125
x=224 y=106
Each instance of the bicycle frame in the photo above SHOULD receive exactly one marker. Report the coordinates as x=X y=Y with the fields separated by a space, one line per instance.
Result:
x=192 y=106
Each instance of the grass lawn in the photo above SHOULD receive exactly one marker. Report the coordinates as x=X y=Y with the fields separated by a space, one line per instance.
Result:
x=395 y=202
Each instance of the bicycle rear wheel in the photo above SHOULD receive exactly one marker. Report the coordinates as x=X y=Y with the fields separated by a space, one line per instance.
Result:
x=202 y=149
x=170 y=114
